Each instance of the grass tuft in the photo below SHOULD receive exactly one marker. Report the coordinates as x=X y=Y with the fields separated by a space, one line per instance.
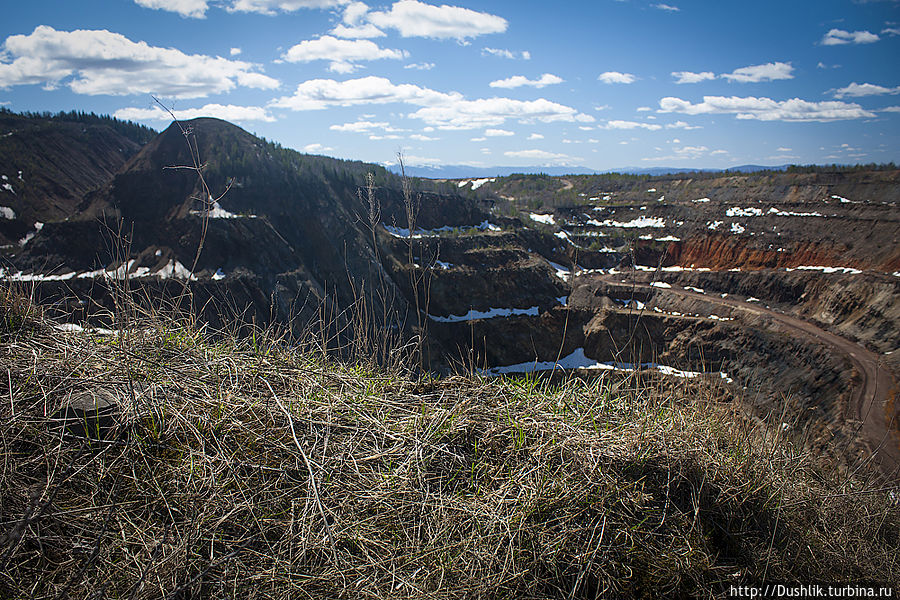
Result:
x=233 y=470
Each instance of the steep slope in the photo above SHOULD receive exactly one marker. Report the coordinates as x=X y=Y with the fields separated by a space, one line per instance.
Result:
x=292 y=229
x=48 y=162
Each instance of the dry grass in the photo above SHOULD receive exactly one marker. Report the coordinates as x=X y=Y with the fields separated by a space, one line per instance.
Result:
x=245 y=470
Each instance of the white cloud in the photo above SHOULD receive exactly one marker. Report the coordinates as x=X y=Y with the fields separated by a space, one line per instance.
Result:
x=227 y=112
x=837 y=37
x=97 y=62
x=616 y=124
x=316 y=148
x=682 y=125
x=667 y=7
x=444 y=110
x=422 y=138
x=643 y=109
x=766 y=109
x=235 y=51
x=616 y=77
x=319 y=94
x=535 y=136
x=890 y=109
x=757 y=73
x=360 y=126
x=783 y=149
x=425 y=66
x=502 y=53
x=343 y=54
x=890 y=31
x=857 y=90
x=271 y=7
x=491 y=112
x=478 y=139
x=519 y=81
x=498 y=133
x=186 y=8
x=411 y=160
x=549 y=158
x=412 y=18
x=689 y=77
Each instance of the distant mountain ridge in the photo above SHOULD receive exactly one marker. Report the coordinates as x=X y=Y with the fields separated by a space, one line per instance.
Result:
x=466 y=172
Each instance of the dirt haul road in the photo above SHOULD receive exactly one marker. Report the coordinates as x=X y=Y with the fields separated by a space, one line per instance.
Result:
x=869 y=401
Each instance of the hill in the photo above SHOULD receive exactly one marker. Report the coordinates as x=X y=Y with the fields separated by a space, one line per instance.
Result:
x=49 y=161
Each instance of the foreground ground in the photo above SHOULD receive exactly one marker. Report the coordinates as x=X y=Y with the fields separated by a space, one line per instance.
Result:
x=224 y=469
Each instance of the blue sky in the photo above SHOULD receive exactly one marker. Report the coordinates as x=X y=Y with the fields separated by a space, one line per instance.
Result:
x=600 y=84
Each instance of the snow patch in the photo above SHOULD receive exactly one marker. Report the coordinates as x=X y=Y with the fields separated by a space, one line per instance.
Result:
x=8 y=188
x=218 y=275
x=30 y=235
x=174 y=269
x=737 y=228
x=714 y=224
x=660 y=284
x=7 y=213
x=217 y=212
x=578 y=360
x=490 y=313
x=694 y=289
x=785 y=213
x=639 y=223
x=701 y=200
x=545 y=219
x=561 y=271
x=846 y=270
x=737 y=211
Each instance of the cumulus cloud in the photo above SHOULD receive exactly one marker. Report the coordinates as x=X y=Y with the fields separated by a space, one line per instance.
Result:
x=690 y=77
x=354 y=23
x=271 y=7
x=487 y=112
x=343 y=54
x=766 y=109
x=186 y=8
x=316 y=148
x=498 y=133
x=890 y=31
x=616 y=124
x=444 y=110
x=616 y=77
x=235 y=51
x=503 y=53
x=422 y=138
x=425 y=66
x=890 y=109
x=361 y=126
x=318 y=94
x=757 y=73
x=412 y=18
x=856 y=90
x=520 y=80
x=837 y=37
x=667 y=7
x=549 y=158
x=227 y=112
x=682 y=125
x=535 y=136
x=95 y=62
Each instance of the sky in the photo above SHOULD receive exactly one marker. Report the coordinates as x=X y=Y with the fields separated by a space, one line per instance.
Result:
x=602 y=84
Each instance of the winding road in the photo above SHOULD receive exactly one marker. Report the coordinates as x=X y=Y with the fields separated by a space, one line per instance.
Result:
x=869 y=400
